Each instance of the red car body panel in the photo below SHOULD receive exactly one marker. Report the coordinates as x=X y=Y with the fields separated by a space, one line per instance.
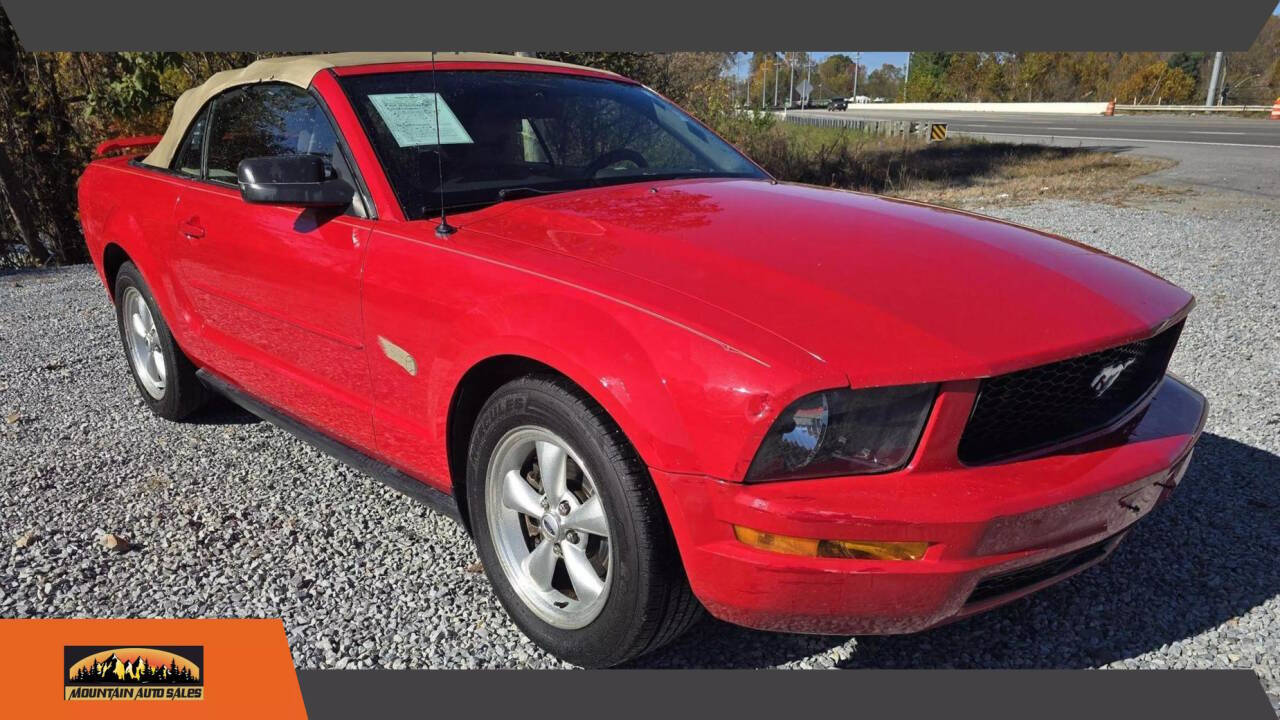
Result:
x=693 y=312
x=889 y=292
x=293 y=302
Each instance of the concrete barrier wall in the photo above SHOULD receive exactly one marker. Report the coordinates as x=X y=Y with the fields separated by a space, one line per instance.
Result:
x=1070 y=108
x=1194 y=108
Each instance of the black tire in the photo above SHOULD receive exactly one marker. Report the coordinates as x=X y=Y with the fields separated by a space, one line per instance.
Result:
x=650 y=603
x=183 y=393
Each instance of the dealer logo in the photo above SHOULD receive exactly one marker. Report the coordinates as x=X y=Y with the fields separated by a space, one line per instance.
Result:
x=133 y=673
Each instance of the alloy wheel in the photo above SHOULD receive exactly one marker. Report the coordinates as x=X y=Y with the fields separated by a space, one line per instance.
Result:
x=549 y=527
x=146 y=355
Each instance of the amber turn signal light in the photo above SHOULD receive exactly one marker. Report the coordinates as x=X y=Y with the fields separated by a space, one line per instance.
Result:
x=810 y=547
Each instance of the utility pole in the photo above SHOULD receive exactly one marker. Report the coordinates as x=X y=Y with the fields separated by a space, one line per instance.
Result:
x=732 y=83
x=764 y=82
x=906 y=79
x=776 y=68
x=791 y=90
x=808 y=82
x=857 y=63
x=746 y=83
x=1212 y=98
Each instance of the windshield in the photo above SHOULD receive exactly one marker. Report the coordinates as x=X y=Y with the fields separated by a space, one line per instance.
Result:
x=503 y=134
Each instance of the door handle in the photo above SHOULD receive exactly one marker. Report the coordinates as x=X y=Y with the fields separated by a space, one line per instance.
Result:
x=191 y=228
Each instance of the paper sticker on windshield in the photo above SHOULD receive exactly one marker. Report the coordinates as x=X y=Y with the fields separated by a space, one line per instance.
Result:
x=411 y=118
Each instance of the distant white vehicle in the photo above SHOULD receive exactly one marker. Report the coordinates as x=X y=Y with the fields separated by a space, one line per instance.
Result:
x=859 y=99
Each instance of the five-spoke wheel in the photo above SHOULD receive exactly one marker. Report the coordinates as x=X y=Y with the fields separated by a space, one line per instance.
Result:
x=143 y=341
x=165 y=376
x=549 y=526
x=570 y=527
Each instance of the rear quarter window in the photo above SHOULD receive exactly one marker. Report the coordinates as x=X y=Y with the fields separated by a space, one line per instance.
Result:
x=189 y=156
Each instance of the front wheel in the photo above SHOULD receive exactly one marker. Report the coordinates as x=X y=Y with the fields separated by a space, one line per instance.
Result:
x=570 y=529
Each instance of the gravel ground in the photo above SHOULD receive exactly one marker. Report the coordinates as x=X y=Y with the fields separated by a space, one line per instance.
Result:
x=232 y=517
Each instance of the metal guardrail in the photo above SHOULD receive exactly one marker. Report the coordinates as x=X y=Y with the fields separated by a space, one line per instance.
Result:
x=1193 y=108
x=892 y=128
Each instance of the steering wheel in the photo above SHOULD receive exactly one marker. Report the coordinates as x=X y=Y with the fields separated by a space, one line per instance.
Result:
x=615 y=156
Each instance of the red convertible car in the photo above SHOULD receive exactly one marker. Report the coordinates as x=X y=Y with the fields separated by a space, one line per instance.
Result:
x=646 y=376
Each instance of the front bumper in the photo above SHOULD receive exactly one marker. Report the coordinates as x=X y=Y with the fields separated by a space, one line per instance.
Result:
x=1019 y=526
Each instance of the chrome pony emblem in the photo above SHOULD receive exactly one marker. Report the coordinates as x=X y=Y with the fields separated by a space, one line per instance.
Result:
x=1108 y=376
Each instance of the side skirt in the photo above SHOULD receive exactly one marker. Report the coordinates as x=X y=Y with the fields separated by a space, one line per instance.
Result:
x=380 y=471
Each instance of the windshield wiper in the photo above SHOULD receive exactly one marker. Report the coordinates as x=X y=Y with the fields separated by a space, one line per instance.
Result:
x=515 y=193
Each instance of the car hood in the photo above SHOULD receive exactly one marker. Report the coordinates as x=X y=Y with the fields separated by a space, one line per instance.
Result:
x=888 y=291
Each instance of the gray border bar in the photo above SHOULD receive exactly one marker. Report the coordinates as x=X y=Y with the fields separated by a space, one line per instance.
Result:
x=780 y=695
x=646 y=25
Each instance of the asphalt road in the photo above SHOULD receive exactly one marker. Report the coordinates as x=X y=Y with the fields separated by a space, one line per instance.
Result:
x=1196 y=130
x=1226 y=160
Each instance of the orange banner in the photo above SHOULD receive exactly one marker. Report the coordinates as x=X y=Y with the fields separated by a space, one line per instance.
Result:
x=141 y=669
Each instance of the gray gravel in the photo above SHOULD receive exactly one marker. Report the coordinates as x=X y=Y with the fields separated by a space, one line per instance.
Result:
x=232 y=517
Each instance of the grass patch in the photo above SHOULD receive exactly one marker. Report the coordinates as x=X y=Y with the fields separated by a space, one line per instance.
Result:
x=959 y=171
x=980 y=173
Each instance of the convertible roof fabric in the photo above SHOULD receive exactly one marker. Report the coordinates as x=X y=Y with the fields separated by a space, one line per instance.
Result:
x=299 y=70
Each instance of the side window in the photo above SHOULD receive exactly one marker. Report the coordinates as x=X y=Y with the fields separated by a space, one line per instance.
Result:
x=187 y=160
x=269 y=119
x=264 y=120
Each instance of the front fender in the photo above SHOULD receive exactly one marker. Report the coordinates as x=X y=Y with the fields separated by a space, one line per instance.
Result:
x=602 y=353
x=690 y=402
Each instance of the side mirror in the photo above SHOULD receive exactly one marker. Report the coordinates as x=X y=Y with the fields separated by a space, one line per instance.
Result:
x=291 y=180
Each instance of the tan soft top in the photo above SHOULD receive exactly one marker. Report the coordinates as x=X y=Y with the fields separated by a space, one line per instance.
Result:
x=298 y=70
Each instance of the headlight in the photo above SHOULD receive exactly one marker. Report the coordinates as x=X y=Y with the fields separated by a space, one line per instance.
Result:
x=844 y=432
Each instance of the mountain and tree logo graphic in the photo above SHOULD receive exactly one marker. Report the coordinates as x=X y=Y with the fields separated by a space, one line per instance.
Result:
x=133 y=672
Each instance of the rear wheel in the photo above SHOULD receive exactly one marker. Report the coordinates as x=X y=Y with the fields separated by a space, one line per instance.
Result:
x=165 y=377
x=570 y=529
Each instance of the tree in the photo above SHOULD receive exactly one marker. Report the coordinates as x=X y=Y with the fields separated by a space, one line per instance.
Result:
x=926 y=81
x=1157 y=83
x=22 y=209
x=833 y=77
x=992 y=78
x=1032 y=70
x=1093 y=76
x=42 y=154
x=883 y=82
x=1189 y=63
x=962 y=78
x=761 y=77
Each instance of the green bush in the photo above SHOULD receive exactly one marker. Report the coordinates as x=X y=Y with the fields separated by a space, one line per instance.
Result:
x=834 y=157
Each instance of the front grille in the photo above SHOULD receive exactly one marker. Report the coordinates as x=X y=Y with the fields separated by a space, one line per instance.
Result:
x=1051 y=404
x=1023 y=578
